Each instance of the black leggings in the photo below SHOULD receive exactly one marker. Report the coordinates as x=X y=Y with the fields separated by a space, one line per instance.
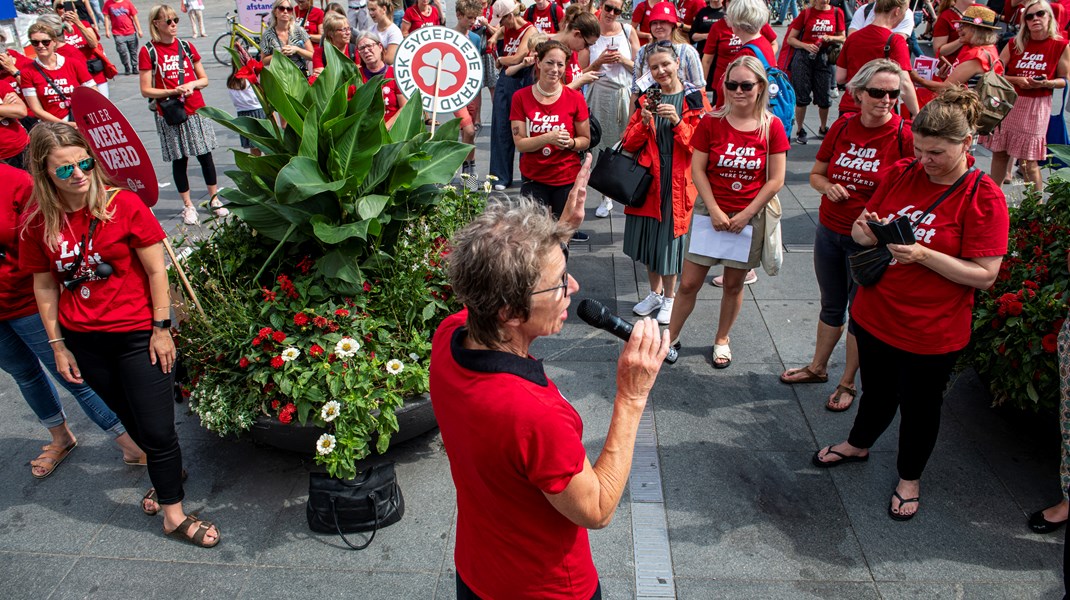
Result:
x=553 y=196
x=178 y=170
x=117 y=367
x=913 y=384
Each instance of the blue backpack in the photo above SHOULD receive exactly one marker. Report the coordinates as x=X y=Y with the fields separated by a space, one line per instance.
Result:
x=781 y=93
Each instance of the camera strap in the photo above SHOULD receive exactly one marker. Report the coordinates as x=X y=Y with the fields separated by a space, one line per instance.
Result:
x=87 y=239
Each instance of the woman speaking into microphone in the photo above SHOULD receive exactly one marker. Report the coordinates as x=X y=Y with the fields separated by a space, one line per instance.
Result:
x=102 y=292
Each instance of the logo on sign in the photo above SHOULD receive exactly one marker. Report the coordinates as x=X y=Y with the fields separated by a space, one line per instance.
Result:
x=442 y=65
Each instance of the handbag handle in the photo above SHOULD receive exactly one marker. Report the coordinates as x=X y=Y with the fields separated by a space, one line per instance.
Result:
x=338 y=528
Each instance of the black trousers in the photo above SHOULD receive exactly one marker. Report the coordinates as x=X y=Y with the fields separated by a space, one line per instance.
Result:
x=117 y=366
x=554 y=196
x=897 y=380
x=465 y=593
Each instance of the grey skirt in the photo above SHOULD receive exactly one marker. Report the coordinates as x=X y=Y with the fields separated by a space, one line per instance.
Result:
x=193 y=138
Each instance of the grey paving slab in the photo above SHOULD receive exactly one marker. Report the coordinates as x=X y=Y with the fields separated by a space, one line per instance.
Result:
x=980 y=591
x=797 y=227
x=793 y=327
x=32 y=575
x=329 y=581
x=707 y=589
x=163 y=579
x=794 y=282
x=750 y=339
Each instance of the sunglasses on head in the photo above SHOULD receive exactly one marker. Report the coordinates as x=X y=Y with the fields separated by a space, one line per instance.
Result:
x=746 y=86
x=1035 y=15
x=65 y=172
x=613 y=10
x=877 y=93
x=41 y=43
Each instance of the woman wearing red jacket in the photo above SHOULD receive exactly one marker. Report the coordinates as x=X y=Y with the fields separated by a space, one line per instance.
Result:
x=655 y=233
x=102 y=292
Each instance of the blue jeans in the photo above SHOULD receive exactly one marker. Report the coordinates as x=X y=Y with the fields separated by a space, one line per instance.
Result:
x=23 y=347
x=502 y=150
x=915 y=47
x=785 y=6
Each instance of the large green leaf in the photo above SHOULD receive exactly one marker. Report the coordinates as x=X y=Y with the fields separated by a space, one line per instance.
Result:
x=332 y=234
x=265 y=167
x=261 y=131
x=301 y=178
x=355 y=143
x=448 y=131
x=310 y=139
x=446 y=158
x=368 y=99
x=409 y=120
x=285 y=87
x=248 y=183
x=381 y=165
x=341 y=264
x=265 y=220
x=370 y=207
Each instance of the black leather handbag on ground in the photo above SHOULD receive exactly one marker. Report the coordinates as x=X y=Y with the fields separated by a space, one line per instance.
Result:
x=620 y=177
x=868 y=266
x=368 y=502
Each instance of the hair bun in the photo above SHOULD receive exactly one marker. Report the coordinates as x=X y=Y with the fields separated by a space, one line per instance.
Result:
x=965 y=100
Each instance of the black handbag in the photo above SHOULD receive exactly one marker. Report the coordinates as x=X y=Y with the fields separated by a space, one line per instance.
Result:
x=95 y=65
x=868 y=266
x=368 y=502
x=172 y=109
x=620 y=177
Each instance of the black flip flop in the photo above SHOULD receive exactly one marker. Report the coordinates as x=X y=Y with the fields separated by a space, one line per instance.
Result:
x=899 y=517
x=835 y=463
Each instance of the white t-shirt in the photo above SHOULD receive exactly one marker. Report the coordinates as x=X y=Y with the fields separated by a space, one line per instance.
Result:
x=391 y=35
x=244 y=99
x=861 y=19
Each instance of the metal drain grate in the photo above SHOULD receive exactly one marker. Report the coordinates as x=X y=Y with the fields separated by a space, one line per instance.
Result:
x=650 y=528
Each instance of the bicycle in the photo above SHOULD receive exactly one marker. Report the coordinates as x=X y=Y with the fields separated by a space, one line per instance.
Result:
x=238 y=34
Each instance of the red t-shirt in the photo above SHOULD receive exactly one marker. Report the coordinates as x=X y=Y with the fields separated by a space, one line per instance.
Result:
x=858 y=157
x=641 y=16
x=1039 y=58
x=724 y=45
x=543 y=21
x=417 y=20
x=121 y=302
x=988 y=56
x=121 y=13
x=68 y=75
x=391 y=93
x=947 y=24
x=16 y=285
x=812 y=24
x=312 y=22
x=13 y=137
x=912 y=307
x=76 y=40
x=510 y=437
x=166 y=70
x=865 y=45
x=736 y=165
x=318 y=60
x=511 y=39
x=574 y=69
x=687 y=9
x=551 y=165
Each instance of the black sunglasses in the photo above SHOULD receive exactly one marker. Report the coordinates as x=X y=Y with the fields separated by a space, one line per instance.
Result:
x=1035 y=15
x=564 y=278
x=42 y=43
x=613 y=10
x=877 y=93
x=173 y=21
x=746 y=86
x=285 y=8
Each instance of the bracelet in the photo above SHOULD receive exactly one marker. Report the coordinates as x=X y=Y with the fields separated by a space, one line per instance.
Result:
x=59 y=339
x=162 y=307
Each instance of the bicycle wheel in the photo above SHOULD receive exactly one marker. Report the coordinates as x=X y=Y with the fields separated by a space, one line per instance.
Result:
x=219 y=48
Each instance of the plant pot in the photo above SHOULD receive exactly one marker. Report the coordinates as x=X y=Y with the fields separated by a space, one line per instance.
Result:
x=415 y=418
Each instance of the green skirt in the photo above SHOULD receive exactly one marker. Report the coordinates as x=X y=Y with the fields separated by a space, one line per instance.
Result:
x=651 y=242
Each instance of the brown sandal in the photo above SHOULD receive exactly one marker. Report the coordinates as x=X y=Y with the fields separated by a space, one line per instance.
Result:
x=808 y=376
x=50 y=459
x=840 y=391
x=151 y=495
x=182 y=532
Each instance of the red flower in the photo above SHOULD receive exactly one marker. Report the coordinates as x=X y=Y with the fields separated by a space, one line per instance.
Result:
x=341 y=312
x=186 y=393
x=996 y=324
x=287 y=286
x=1002 y=349
x=264 y=332
x=305 y=265
x=332 y=357
x=1030 y=284
x=301 y=319
x=367 y=287
x=257 y=340
x=320 y=322
x=268 y=347
x=315 y=350
x=1050 y=343
x=250 y=71
x=277 y=362
x=367 y=338
x=1058 y=324
x=1014 y=308
x=268 y=388
x=279 y=337
x=332 y=327
x=243 y=362
x=275 y=405
x=269 y=296
x=285 y=417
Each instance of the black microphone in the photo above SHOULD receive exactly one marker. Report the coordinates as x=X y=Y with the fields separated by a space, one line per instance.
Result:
x=103 y=271
x=595 y=314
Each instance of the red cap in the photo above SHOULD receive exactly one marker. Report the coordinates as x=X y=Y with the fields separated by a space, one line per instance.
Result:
x=663 y=11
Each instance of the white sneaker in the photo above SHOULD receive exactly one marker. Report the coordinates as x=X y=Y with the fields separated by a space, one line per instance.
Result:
x=189 y=215
x=218 y=208
x=665 y=312
x=604 y=208
x=751 y=277
x=649 y=304
x=834 y=92
x=499 y=187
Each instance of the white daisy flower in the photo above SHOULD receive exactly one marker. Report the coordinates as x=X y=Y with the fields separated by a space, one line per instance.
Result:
x=325 y=445
x=330 y=411
x=394 y=366
x=491 y=178
x=290 y=353
x=449 y=188
x=346 y=347
x=486 y=186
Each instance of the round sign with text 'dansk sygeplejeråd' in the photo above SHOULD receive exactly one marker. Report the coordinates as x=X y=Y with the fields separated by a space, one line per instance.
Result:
x=440 y=54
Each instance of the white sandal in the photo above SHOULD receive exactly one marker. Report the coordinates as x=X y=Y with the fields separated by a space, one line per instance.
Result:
x=722 y=352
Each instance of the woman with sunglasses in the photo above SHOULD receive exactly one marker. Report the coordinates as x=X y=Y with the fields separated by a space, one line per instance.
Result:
x=1038 y=61
x=745 y=22
x=664 y=27
x=551 y=125
x=914 y=321
x=101 y=287
x=660 y=130
x=173 y=70
x=876 y=41
x=47 y=84
x=370 y=51
x=611 y=57
x=854 y=158
x=284 y=35
x=24 y=344
x=811 y=34
x=739 y=164
x=338 y=33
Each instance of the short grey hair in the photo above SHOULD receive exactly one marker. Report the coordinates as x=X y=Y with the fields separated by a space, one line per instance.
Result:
x=367 y=35
x=748 y=15
x=496 y=260
x=861 y=80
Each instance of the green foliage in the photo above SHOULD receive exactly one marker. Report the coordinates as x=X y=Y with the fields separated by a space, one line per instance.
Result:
x=1016 y=321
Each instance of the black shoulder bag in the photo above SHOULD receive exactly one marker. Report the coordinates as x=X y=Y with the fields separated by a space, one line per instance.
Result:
x=370 y=501
x=173 y=108
x=620 y=177
x=868 y=266
x=55 y=87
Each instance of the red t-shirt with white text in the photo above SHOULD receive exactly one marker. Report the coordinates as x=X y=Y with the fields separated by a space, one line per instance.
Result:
x=1040 y=58
x=16 y=285
x=76 y=40
x=121 y=13
x=812 y=24
x=737 y=161
x=912 y=307
x=641 y=16
x=858 y=157
x=167 y=69
x=312 y=22
x=68 y=75
x=417 y=20
x=687 y=9
x=725 y=45
x=573 y=69
x=865 y=45
x=121 y=302
x=13 y=137
x=550 y=165
x=544 y=22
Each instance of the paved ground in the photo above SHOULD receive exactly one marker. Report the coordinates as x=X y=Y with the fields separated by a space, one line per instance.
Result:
x=747 y=515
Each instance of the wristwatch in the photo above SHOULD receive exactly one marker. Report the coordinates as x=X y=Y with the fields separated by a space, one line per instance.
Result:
x=165 y=324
